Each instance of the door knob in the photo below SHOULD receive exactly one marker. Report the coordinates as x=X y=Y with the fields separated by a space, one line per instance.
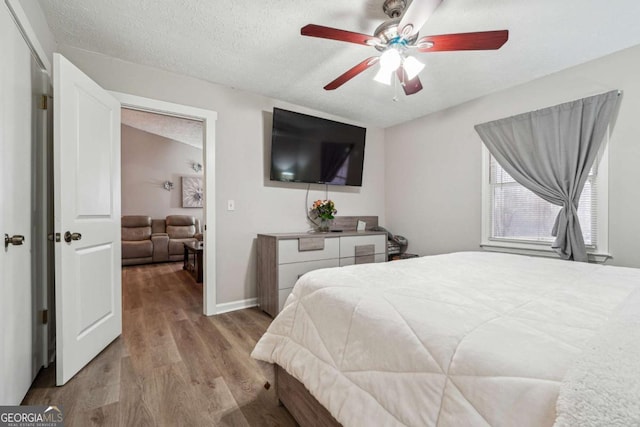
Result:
x=14 y=240
x=69 y=236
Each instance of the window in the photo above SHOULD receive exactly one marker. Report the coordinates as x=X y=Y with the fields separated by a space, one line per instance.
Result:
x=514 y=217
x=518 y=214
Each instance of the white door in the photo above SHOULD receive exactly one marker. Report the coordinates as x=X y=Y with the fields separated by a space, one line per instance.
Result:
x=16 y=313
x=87 y=216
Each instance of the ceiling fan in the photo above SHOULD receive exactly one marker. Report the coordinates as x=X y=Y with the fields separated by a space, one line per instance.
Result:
x=397 y=37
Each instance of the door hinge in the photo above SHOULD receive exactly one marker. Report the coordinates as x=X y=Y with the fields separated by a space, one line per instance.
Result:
x=54 y=237
x=44 y=102
x=45 y=317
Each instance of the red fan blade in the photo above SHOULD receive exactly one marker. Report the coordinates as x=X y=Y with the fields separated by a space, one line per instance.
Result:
x=312 y=30
x=352 y=73
x=410 y=86
x=416 y=15
x=484 y=40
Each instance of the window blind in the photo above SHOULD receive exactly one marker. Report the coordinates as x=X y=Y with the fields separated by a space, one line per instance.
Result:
x=518 y=214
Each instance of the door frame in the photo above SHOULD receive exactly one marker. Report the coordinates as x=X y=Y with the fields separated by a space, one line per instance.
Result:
x=208 y=119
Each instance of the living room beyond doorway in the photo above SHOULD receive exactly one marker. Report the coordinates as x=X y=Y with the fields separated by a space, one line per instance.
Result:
x=162 y=190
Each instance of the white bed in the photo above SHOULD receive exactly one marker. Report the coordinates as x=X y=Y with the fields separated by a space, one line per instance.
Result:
x=468 y=338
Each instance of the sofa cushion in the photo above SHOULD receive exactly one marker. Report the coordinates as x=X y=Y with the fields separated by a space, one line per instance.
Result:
x=181 y=226
x=136 y=221
x=181 y=220
x=137 y=249
x=176 y=246
x=181 y=232
x=136 y=227
x=136 y=234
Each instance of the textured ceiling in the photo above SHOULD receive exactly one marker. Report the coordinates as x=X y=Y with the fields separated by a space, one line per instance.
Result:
x=256 y=46
x=174 y=128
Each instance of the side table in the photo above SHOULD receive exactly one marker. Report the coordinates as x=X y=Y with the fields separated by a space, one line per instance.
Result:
x=193 y=259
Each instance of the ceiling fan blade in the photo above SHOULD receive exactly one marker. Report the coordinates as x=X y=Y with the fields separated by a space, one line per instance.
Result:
x=416 y=15
x=352 y=73
x=410 y=86
x=312 y=30
x=484 y=40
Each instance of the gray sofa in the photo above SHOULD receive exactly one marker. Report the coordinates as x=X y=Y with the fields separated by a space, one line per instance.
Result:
x=146 y=240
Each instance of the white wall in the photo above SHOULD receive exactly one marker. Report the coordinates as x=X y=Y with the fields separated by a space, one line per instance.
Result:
x=243 y=132
x=148 y=160
x=433 y=169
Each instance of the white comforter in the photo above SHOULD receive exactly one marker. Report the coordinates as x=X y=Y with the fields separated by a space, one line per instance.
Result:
x=465 y=339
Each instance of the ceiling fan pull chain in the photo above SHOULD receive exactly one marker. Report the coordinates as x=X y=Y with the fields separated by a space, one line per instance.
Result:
x=395 y=90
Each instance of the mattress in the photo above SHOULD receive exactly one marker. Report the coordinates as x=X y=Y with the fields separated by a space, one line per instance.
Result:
x=471 y=338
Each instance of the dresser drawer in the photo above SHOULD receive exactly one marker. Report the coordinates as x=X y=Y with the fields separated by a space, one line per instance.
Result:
x=362 y=260
x=288 y=274
x=289 y=250
x=348 y=245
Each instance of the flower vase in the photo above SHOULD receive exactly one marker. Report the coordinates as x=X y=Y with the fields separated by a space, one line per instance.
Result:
x=325 y=225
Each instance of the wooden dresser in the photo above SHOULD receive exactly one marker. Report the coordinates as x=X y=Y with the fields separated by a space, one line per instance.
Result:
x=284 y=257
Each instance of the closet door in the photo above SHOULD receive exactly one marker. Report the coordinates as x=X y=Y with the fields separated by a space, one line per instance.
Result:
x=17 y=316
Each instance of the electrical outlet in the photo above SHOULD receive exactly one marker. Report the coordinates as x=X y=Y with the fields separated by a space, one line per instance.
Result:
x=231 y=205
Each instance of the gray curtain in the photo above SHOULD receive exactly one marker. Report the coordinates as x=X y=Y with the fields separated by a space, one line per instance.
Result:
x=551 y=152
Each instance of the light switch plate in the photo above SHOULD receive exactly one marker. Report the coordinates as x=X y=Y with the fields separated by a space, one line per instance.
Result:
x=231 y=205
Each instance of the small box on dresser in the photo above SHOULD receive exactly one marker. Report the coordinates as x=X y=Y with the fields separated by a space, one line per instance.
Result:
x=284 y=257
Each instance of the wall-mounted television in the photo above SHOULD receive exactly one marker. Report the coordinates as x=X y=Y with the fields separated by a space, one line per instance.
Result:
x=314 y=150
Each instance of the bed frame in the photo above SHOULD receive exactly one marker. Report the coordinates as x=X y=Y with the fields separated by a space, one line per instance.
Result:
x=306 y=410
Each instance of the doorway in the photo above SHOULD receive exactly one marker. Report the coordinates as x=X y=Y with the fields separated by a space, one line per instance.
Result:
x=162 y=194
x=185 y=117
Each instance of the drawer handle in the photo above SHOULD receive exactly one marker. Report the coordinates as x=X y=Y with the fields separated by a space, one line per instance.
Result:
x=365 y=259
x=310 y=244
x=362 y=250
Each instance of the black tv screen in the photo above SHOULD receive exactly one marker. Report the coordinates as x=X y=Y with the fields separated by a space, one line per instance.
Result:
x=314 y=150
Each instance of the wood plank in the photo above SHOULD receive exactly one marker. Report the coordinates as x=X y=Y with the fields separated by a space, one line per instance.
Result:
x=193 y=352
x=172 y=398
x=104 y=416
x=132 y=409
x=252 y=326
x=100 y=396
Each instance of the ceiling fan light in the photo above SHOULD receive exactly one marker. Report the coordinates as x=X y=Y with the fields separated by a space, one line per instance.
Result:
x=390 y=60
x=384 y=76
x=412 y=66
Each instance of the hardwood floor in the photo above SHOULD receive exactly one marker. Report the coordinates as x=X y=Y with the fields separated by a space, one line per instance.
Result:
x=172 y=366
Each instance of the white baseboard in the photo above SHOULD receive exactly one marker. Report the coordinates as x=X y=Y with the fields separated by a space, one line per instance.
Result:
x=236 y=305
